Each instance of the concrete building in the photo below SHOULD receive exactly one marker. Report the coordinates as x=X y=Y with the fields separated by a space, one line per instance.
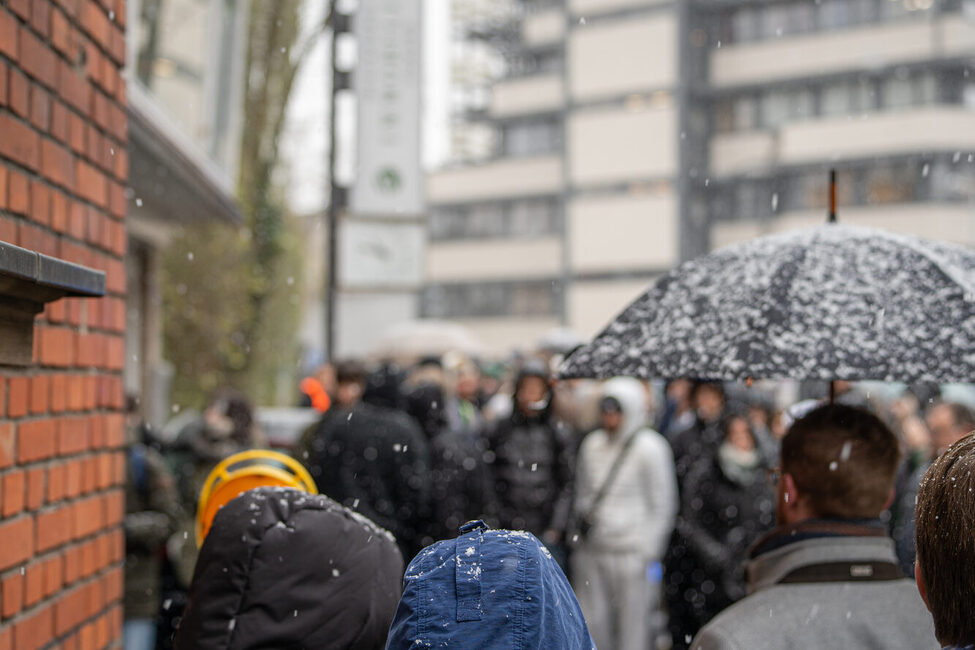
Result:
x=633 y=134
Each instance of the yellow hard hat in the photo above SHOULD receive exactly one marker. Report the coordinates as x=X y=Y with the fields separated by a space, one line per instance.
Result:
x=245 y=471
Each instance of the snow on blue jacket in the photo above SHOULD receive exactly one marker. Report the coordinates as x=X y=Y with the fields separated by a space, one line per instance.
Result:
x=488 y=589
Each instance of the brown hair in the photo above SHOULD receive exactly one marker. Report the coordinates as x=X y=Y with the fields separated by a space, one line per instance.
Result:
x=843 y=459
x=945 y=521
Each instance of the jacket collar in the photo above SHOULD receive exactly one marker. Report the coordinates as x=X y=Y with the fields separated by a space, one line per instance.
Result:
x=788 y=548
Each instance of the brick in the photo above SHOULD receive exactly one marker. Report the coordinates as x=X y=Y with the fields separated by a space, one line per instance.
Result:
x=59 y=393
x=3 y=191
x=40 y=17
x=117 y=203
x=114 y=430
x=7 y=638
x=36 y=440
x=8 y=442
x=19 y=94
x=40 y=390
x=72 y=564
x=89 y=475
x=55 y=483
x=74 y=88
x=3 y=83
x=88 y=517
x=54 y=528
x=35 y=631
x=76 y=392
x=61 y=37
x=34 y=584
x=8 y=34
x=96 y=22
x=59 y=211
x=37 y=60
x=36 y=239
x=114 y=508
x=16 y=540
x=91 y=183
x=73 y=435
x=56 y=164
x=12 y=588
x=21 y=8
x=36 y=487
x=18 y=396
x=89 y=561
x=53 y=575
x=19 y=142
x=40 y=203
x=40 y=108
x=14 y=492
x=57 y=346
x=8 y=229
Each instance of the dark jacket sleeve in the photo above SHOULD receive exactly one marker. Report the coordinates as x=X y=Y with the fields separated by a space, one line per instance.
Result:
x=564 y=464
x=712 y=551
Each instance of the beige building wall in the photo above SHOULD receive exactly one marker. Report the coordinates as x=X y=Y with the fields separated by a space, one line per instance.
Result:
x=596 y=7
x=545 y=27
x=602 y=57
x=622 y=232
x=493 y=260
x=617 y=145
x=527 y=95
x=501 y=336
x=513 y=177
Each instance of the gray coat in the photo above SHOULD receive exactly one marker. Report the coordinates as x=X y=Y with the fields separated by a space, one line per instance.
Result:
x=883 y=614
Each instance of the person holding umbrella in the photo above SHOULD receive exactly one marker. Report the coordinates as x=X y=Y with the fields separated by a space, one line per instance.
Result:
x=827 y=576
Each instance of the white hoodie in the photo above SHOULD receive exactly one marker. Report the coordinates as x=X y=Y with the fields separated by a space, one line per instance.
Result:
x=637 y=514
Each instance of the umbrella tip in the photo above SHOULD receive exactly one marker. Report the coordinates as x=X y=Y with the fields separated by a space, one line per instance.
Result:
x=832 y=196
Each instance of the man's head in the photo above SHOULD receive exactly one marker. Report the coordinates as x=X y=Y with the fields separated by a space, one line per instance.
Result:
x=708 y=399
x=948 y=422
x=533 y=392
x=838 y=462
x=350 y=378
x=945 y=530
x=610 y=414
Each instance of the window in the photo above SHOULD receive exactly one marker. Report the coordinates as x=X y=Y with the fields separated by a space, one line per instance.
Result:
x=530 y=138
x=524 y=218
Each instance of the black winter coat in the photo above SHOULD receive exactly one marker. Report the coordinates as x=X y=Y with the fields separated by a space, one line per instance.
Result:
x=532 y=461
x=718 y=520
x=375 y=461
x=286 y=569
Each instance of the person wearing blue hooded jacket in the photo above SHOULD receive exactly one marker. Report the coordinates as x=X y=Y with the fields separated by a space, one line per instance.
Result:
x=488 y=589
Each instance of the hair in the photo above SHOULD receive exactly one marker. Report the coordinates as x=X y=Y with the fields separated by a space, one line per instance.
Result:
x=945 y=536
x=713 y=386
x=843 y=460
x=962 y=415
x=235 y=405
x=350 y=371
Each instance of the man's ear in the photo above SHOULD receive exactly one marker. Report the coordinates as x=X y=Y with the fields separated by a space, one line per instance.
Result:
x=921 y=587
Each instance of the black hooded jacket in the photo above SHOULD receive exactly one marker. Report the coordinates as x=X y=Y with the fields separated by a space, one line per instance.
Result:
x=375 y=461
x=531 y=460
x=285 y=569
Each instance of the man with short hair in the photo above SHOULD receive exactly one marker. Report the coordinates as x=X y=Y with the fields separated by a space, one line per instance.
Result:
x=827 y=576
x=945 y=538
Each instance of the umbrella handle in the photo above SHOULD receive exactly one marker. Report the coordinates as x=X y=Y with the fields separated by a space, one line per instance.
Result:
x=832 y=198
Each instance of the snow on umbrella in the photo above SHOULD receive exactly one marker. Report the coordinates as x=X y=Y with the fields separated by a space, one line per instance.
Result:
x=833 y=302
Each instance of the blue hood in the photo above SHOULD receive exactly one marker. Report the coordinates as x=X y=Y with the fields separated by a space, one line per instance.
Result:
x=488 y=589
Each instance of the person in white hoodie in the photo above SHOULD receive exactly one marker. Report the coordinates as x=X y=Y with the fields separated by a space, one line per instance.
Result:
x=625 y=507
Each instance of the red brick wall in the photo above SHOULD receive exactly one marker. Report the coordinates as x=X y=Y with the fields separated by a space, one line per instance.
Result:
x=63 y=168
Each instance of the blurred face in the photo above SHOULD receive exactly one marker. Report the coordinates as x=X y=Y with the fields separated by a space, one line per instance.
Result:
x=944 y=430
x=531 y=395
x=611 y=420
x=709 y=403
x=348 y=393
x=467 y=385
x=739 y=435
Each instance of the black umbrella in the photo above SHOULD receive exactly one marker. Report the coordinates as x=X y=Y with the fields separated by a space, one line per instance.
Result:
x=833 y=302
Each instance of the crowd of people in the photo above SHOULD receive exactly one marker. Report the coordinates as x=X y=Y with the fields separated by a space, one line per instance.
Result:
x=651 y=501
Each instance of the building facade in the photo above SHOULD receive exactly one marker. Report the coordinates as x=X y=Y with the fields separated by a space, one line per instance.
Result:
x=633 y=134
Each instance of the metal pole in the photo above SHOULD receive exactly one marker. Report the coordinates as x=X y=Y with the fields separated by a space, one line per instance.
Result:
x=334 y=196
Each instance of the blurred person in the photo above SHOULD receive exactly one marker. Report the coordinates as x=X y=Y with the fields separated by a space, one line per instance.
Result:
x=678 y=411
x=945 y=539
x=702 y=438
x=827 y=576
x=227 y=426
x=383 y=386
x=350 y=385
x=488 y=590
x=626 y=500
x=151 y=515
x=317 y=389
x=531 y=457
x=947 y=422
x=460 y=483
x=371 y=459
x=464 y=399
x=726 y=504
x=281 y=568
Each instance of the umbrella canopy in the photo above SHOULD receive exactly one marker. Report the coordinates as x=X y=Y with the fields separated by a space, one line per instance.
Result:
x=833 y=302
x=412 y=340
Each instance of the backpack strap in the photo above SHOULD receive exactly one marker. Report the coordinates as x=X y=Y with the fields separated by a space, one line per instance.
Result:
x=844 y=572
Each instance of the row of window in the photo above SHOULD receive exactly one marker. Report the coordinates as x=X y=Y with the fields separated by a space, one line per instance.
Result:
x=539 y=298
x=902 y=88
x=520 y=219
x=756 y=23
x=949 y=179
x=531 y=137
